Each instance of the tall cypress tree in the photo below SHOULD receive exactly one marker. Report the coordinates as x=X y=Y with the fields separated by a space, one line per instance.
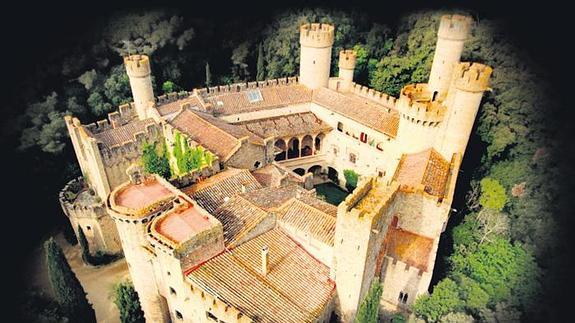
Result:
x=369 y=308
x=208 y=75
x=260 y=75
x=128 y=303
x=67 y=288
x=85 y=246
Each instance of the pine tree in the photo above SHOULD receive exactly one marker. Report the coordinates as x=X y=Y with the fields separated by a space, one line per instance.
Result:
x=128 y=303
x=208 y=75
x=67 y=289
x=84 y=245
x=260 y=75
x=369 y=309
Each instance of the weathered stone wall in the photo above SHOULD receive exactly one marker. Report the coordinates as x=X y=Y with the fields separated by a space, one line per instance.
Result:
x=318 y=249
x=421 y=214
x=397 y=276
x=247 y=156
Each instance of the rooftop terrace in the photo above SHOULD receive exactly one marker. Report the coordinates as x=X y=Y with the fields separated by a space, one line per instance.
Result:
x=138 y=196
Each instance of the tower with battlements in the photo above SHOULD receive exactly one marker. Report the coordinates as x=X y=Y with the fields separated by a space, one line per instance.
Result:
x=140 y=74
x=346 y=66
x=316 y=41
x=453 y=31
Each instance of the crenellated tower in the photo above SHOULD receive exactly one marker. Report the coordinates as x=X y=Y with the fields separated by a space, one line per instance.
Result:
x=316 y=41
x=139 y=72
x=452 y=33
x=346 y=65
x=421 y=115
x=469 y=82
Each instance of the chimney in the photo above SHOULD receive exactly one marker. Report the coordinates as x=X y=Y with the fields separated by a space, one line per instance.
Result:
x=243 y=188
x=265 y=258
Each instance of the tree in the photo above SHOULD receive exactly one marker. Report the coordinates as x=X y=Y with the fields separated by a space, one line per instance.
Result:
x=260 y=75
x=492 y=194
x=351 y=178
x=208 y=75
x=66 y=287
x=369 y=308
x=86 y=256
x=444 y=299
x=169 y=87
x=127 y=301
x=155 y=160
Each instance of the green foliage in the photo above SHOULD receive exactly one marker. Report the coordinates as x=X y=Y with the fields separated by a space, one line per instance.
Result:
x=492 y=194
x=240 y=68
x=169 y=87
x=444 y=299
x=127 y=301
x=398 y=318
x=261 y=72
x=458 y=317
x=67 y=289
x=187 y=158
x=369 y=308
x=84 y=245
x=155 y=161
x=351 y=178
x=35 y=306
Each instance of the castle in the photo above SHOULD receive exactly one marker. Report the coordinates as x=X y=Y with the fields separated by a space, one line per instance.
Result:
x=243 y=237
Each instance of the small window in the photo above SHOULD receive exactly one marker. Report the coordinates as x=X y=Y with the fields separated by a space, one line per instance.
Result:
x=340 y=127
x=211 y=317
x=380 y=174
x=402 y=297
x=363 y=137
x=335 y=151
x=254 y=96
x=352 y=158
x=88 y=227
x=257 y=164
x=169 y=273
x=172 y=291
x=179 y=315
x=220 y=103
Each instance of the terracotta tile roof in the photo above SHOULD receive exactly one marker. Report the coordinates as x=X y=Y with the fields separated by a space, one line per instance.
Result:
x=238 y=216
x=319 y=204
x=427 y=168
x=232 y=129
x=272 y=174
x=304 y=217
x=211 y=193
x=283 y=126
x=175 y=106
x=360 y=109
x=296 y=289
x=273 y=97
x=124 y=133
x=269 y=198
x=180 y=225
x=206 y=134
x=138 y=196
x=408 y=247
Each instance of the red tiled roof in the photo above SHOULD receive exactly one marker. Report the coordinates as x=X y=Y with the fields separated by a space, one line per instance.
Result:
x=175 y=106
x=180 y=225
x=427 y=168
x=304 y=217
x=137 y=196
x=359 y=109
x=238 y=216
x=289 y=125
x=408 y=247
x=124 y=133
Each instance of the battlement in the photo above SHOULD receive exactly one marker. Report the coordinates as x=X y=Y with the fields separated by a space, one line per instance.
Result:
x=317 y=35
x=370 y=198
x=416 y=103
x=78 y=201
x=172 y=97
x=244 y=86
x=126 y=113
x=347 y=59
x=379 y=97
x=130 y=149
x=137 y=65
x=454 y=27
x=472 y=77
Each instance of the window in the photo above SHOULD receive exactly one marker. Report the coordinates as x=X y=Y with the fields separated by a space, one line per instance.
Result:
x=352 y=158
x=211 y=317
x=363 y=137
x=179 y=315
x=88 y=227
x=380 y=173
x=254 y=96
x=169 y=273
x=172 y=291
x=335 y=151
x=402 y=297
x=257 y=164
x=340 y=127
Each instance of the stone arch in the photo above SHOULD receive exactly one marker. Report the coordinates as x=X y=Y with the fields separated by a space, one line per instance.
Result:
x=318 y=142
x=293 y=148
x=333 y=175
x=307 y=146
x=299 y=171
x=315 y=170
x=280 y=150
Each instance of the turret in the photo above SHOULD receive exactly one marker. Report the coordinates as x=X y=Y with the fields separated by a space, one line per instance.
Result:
x=346 y=68
x=139 y=72
x=470 y=80
x=421 y=115
x=452 y=33
x=316 y=41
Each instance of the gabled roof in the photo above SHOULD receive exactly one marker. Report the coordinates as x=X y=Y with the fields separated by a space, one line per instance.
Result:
x=284 y=126
x=238 y=216
x=304 y=217
x=427 y=168
x=296 y=288
x=408 y=247
x=357 y=108
x=119 y=135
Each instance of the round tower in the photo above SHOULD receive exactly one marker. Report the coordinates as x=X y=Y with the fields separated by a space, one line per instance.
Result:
x=133 y=205
x=316 y=41
x=452 y=33
x=470 y=80
x=139 y=72
x=420 y=117
x=346 y=67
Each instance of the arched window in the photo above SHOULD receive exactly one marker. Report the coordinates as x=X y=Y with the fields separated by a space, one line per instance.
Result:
x=340 y=127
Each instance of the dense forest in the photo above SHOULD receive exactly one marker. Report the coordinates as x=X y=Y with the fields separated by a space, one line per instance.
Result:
x=501 y=258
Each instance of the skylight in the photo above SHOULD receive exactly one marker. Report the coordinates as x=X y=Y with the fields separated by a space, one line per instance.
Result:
x=254 y=96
